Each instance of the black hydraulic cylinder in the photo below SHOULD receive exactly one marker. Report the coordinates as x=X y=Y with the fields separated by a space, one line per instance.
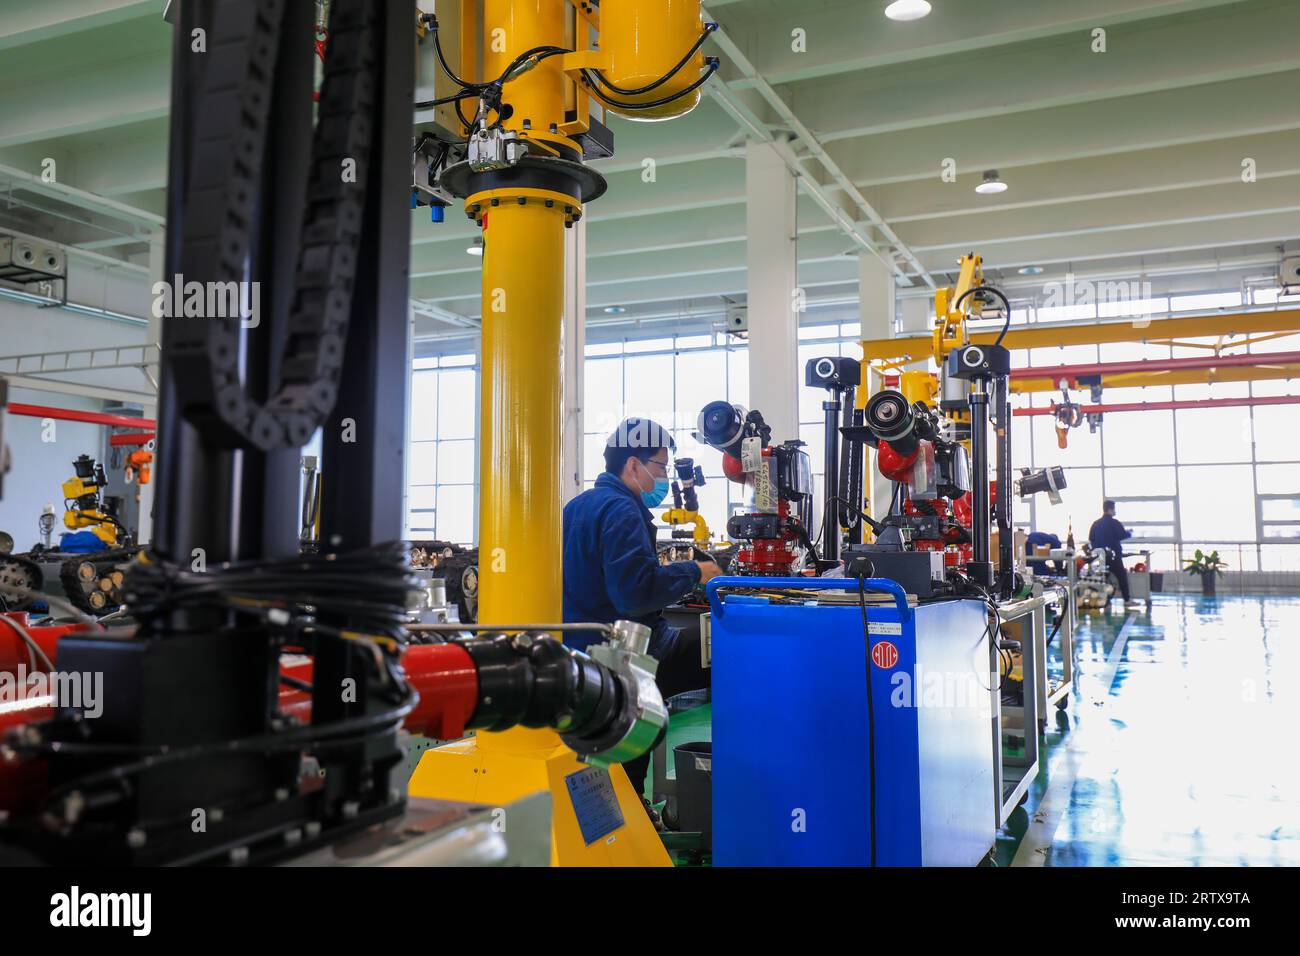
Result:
x=831 y=480
x=981 y=569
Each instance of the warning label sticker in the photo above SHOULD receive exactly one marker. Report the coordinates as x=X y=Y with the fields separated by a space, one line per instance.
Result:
x=884 y=627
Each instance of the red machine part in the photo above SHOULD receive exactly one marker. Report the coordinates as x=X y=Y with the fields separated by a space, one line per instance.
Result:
x=733 y=469
x=444 y=675
x=13 y=649
x=773 y=557
x=894 y=465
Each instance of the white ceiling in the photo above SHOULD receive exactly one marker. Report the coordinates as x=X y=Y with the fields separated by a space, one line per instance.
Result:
x=1127 y=162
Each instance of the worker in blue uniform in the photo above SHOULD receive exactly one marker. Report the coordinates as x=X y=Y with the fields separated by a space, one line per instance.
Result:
x=611 y=568
x=1107 y=532
x=1042 y=539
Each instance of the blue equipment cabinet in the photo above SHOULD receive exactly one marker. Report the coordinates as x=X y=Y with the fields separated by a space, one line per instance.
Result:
x=791 y=756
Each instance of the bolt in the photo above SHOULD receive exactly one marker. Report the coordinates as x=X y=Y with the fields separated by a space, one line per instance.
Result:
x=522 y=642
x=136 y=838
x=313 y=829
x=239 y=856
x=528 y=124
x=281 y=794
x=351 y=809
x=496 y=202
x=293 y=837
x=522 y=200
x=550 y=204
x=216 y=815
x=554 y=128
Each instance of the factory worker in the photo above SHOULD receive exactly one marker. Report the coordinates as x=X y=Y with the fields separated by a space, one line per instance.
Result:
x=1106 y=532
x=611 y=568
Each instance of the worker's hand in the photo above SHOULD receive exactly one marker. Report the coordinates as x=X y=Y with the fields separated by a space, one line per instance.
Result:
x=708 y=571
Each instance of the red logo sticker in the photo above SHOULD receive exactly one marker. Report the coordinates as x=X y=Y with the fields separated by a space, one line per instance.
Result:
x=884 y=655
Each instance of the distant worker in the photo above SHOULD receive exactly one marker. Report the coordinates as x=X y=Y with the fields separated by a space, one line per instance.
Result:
x=612 y=570
x=1042 y=539
x=1106 y=532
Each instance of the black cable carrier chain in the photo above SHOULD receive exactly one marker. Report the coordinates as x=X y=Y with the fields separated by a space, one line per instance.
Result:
x=222 y=197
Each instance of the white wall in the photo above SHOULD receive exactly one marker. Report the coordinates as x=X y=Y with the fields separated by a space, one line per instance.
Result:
x=39 y=467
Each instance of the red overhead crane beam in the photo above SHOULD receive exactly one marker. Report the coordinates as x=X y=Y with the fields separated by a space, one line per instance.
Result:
x=78 y=415
x=1074 y=372
x=1174 y=405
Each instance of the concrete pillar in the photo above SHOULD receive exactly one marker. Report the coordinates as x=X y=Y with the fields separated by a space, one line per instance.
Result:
x=770 y=229
x=877 y=302
x=876 y=297
x=575 y=348
x=916 y=315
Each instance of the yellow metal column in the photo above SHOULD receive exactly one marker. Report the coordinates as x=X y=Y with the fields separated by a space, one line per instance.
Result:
x=520 y=530
x=519 y=452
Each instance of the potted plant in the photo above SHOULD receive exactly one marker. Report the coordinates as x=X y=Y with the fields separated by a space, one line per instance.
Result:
x=1208 y=566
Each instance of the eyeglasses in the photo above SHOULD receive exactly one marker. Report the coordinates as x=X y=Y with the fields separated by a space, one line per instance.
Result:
x=663 y=464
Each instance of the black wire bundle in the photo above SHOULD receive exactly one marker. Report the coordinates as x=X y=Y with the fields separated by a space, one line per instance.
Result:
x=359 y=597
x=489 y=93
x=368 y=588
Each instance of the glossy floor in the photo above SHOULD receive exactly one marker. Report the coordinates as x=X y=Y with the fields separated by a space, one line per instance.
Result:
x=1181 y=747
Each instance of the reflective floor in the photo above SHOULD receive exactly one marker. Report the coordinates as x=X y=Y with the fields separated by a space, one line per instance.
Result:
x=1183 y=751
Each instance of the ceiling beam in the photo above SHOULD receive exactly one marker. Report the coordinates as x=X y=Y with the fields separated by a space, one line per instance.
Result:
x=813 y=146
x=31 y=21
x=1134 y=174
x=849 y=37
x=80 y=101
x=1252 y=38
x=1099 y=219
x=1246 y=107
x=1142 y=241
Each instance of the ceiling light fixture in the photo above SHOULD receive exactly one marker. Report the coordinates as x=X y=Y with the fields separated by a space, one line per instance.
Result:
x=907 y=10
x=476 y=247
x=991 y=184
x=615 y=309
x=1031 y=271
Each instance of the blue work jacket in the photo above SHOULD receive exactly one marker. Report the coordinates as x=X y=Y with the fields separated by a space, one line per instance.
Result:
x=611 y=570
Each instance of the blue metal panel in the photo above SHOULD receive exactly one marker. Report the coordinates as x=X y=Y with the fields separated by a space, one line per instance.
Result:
x=791 y=773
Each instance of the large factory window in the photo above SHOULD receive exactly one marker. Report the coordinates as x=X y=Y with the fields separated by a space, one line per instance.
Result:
x=441 y=485
x=1153 y=461
x=669 y=380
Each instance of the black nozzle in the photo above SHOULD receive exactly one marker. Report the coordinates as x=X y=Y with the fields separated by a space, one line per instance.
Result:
x=890 y=418
x=722 y=427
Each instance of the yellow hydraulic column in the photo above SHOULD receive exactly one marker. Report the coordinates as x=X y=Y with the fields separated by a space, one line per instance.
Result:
x=523 y=214
x=519 y=470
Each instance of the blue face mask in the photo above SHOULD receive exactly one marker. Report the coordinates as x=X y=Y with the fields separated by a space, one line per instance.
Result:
x=653 y=499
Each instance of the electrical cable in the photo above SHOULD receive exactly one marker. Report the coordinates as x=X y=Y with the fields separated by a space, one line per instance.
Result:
x=708 y=28
x=871 y=716
x=1006 y=304
x=34 y=649
x=711 y=67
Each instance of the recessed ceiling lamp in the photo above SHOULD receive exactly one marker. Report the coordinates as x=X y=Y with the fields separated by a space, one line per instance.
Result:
x=1031 y=270
x=991 y=184
x=476 y=247
x=907 y=10
x=615 y=309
